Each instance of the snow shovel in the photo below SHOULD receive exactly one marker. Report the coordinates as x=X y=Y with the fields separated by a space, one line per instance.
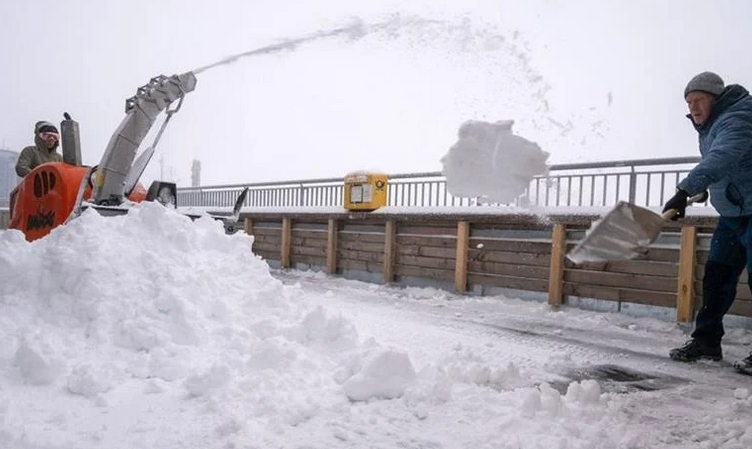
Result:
x=625 y=232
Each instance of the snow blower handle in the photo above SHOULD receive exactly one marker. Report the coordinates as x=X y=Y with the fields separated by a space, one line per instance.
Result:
x=699 y=198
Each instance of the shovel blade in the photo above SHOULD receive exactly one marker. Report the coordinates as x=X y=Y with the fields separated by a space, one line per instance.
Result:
x=624 y=233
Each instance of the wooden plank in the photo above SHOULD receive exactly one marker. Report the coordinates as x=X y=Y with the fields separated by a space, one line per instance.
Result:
x=264 y=246
x=267 y=241
x=426 y=262
x=331 y=246
x=436 y=242
x=425 y=273
x=390 y=255
x=637 y=296
x=481 y=255
x=359 y=255
x=258 y=224
x=310 y=260
x=526 y=226
x=542 y=246
x=556 y=276
x=305 y=250
x=442 y=228
x=659 y=254
x=309 y=234
x=647 y=267
x=510 y=269
x=366 y=247
x=460 y=261
x=359 y=265
x=425 y=251
x=655 y=253
x=685 y=281
x=515 y=282
x=284 y=250
x=248 y=226
x=361 y=237
x=267 y=255
x=362 y=223
x=316 y=225
x=261 y=230
x=309 y=242
x=599 y=278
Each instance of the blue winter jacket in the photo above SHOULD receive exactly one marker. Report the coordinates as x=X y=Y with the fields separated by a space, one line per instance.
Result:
x=726 y=148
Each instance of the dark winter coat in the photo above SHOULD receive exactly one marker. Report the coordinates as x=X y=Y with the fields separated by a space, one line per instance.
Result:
x=33 y=156
x=726 y=148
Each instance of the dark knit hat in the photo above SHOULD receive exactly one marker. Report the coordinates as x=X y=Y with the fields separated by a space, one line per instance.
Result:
x=45 y=127
x=708 y=82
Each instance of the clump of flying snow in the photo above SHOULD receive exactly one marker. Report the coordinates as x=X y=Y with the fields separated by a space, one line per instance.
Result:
x=490 y=162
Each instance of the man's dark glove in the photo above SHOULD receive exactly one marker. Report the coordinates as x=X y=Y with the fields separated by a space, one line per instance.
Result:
x=677 y=202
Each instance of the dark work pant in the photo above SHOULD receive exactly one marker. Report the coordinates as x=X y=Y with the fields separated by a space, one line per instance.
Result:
x=730 y=253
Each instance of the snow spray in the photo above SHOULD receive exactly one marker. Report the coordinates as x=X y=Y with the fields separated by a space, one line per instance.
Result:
x=464 y=38
x=354 y=31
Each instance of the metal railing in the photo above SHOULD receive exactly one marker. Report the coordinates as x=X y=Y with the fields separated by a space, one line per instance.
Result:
x=648 y=182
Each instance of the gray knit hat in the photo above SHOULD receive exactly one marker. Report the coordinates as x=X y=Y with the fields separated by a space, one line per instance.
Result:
x=706 y=82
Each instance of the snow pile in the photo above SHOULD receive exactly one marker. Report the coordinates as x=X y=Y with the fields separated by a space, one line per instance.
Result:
x=117 y=310
x=384 y=375
x=490 y=162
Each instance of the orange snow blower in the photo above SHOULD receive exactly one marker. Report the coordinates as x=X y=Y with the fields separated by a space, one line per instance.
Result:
x=54 y=193
x=47 y=196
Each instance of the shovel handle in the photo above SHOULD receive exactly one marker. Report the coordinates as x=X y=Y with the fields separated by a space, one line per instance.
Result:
x=671 y=213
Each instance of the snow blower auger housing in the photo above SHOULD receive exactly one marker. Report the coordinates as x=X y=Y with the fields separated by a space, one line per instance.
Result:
x=56 y=192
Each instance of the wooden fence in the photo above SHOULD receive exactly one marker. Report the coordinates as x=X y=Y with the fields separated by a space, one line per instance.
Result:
x=470 y=253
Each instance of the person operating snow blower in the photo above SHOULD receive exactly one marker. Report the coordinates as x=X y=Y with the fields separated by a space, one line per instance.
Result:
x=722 y=116
x=46 y=141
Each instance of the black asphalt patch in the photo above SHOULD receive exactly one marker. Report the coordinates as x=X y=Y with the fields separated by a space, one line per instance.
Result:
x=620 y=379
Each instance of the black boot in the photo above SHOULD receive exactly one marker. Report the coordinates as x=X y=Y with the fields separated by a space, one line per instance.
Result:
x=695 y=350
x=744 y=366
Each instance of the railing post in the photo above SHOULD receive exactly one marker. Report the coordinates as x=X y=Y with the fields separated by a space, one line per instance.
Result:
x=685 y=297
x=331 y=246
x=389 y=254
x=632 y=186
x=284 y=251
x=556 y=274
x=460 y=264
x=248 y=225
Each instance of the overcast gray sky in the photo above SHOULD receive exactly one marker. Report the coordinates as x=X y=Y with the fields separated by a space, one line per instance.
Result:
x=392 y=101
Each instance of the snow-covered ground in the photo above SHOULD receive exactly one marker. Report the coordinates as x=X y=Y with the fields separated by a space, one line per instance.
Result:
x=149 y=330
